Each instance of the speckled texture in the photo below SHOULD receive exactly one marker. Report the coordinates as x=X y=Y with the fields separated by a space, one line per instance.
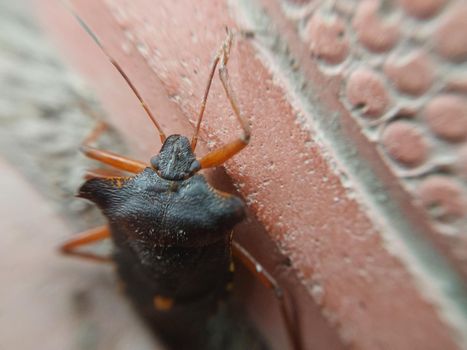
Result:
x=342 y=239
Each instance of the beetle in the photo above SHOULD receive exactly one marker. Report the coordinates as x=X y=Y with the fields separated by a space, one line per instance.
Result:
x=172 y=231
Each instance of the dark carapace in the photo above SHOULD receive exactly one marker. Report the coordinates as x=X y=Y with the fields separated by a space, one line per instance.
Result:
x=171 y=235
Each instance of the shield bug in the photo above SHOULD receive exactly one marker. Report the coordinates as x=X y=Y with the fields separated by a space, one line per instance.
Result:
x=172 y=231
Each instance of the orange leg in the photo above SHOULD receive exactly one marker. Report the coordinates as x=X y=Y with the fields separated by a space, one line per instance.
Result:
x=84 y=238
x=225 y=46
x=269 y=282
x=109 y=158
x=219 y=156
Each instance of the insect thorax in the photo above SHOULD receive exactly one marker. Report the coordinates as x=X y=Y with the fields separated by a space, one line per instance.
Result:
x=159 y=212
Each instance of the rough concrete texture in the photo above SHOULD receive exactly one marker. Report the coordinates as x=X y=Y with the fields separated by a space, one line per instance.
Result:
x=357 y=162
x=48 y=301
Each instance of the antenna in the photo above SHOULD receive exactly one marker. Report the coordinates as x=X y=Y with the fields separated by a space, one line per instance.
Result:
x=119 y=69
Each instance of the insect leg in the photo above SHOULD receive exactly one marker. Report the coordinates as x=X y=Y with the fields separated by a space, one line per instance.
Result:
x=270 y=282
x=219 y=54
x=106 y=157
x=222 y=154
x=85 y=238
x=102 y=174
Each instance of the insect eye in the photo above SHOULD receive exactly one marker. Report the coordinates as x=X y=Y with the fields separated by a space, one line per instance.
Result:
x=194 y=167
x=155 y=162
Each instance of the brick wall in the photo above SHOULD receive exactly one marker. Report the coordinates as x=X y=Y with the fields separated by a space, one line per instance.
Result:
x=357 y=165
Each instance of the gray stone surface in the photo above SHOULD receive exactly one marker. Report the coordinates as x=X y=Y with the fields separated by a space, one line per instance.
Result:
x=49 y=301
x=44 y=113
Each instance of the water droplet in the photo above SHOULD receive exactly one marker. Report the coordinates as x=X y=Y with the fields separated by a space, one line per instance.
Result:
x=317 y=291
x=143 y=49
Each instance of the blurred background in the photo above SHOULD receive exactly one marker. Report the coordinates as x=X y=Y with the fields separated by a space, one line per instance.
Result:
x=355 y=175
x=48 y=301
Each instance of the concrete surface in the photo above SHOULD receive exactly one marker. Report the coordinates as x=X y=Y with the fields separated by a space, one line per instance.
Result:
x=48 y=301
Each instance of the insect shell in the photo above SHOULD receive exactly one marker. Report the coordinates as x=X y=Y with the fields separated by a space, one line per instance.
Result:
x=172 y=236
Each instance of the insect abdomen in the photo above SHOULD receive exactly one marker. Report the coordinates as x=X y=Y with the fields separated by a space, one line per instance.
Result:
x=172 y=248
x=177 y=289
